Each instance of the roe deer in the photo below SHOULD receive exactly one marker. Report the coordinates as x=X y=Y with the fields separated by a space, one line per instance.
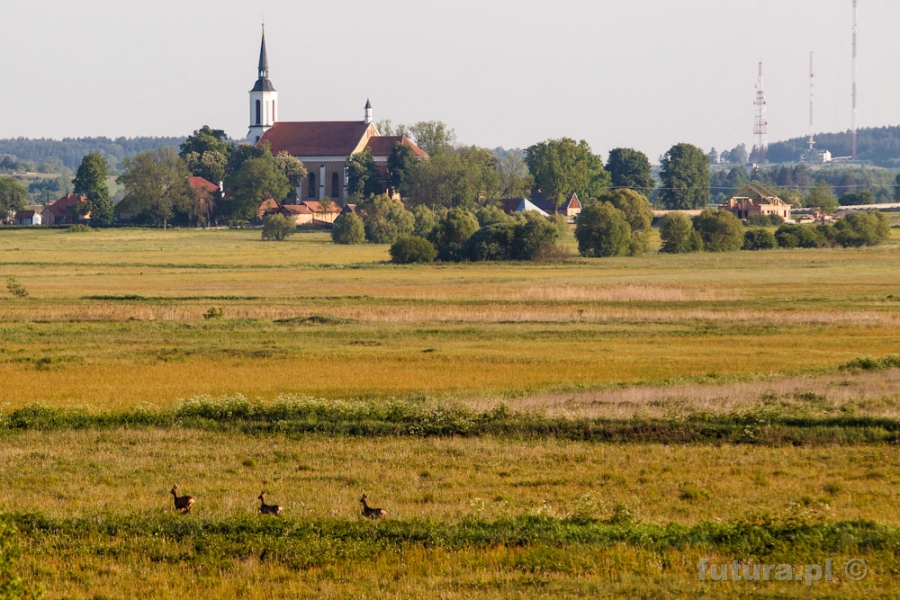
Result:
x=182 y=503
x=371 y=513
x=268 y=509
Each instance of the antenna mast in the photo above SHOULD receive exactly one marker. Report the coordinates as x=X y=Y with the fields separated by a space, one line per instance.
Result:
x=761 y=126
x=812 y=138
x=853 y=142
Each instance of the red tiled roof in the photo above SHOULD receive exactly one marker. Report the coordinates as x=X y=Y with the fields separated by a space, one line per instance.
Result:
x=384 y=145
x=60 y=208
x=315 y=138
x=203 y=184
x=573 y=202
x=24 y=214
x=296 y=209
x=316 y=206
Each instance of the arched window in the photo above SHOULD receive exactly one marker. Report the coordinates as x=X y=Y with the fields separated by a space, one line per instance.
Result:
x=312 y=185
x=273 y=111
x=258 y=113
x=334 y=185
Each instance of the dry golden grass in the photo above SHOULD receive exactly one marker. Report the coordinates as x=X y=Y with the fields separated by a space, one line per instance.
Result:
x=858 y=394
x=69 y=474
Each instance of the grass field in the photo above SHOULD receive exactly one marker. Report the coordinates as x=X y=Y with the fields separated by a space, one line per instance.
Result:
x=590 y=428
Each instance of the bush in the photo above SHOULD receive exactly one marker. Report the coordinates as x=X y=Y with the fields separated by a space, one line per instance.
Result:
x=493 y=242
x=531 y=237
x=348 y=229
x=764 y=220
x=78 y=229
x=720 y=230
x=800 y=236
x=452 y=232
x=602 y=230
x=413 y=249
x=759 y=239
x=386 y=220
x=534 y=236
x=277 y=228
x=678 y=234
x=862 y=228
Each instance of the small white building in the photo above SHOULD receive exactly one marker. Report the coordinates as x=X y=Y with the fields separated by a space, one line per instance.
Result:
x=28 y=217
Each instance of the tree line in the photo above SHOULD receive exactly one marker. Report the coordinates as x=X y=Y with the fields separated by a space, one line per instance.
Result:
x=31 y=154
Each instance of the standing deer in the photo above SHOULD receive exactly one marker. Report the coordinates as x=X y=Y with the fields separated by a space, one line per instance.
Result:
x=268 y=509
x=182 y=503
x=371 y=513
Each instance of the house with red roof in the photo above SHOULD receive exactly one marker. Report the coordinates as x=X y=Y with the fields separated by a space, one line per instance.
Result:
x=65 y=211
x=324 y=147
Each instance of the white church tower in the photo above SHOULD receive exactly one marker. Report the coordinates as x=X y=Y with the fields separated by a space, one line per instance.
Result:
x=263 y=99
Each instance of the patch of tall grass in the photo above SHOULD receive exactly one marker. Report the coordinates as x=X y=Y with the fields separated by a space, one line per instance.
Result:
x=294 y=415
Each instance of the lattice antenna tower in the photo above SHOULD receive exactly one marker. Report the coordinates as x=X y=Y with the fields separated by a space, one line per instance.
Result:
x=761 y=125
x=853 y=126
x=812 y=87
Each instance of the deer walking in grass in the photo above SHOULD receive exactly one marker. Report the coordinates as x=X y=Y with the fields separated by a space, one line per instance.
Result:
x=268 y=509
x=182 y=503
x=369 y=512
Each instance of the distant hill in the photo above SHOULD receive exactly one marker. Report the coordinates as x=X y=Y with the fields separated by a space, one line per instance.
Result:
x=71 y=150
x=879 y=145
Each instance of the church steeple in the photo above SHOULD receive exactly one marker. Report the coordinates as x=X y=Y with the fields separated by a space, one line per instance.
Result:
x=368 y=110
x=263 y=57
x=263 y=106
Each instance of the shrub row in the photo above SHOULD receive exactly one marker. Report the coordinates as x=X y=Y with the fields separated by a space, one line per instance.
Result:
x=295 y=415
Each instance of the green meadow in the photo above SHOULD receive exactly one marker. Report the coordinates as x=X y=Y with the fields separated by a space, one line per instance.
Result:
x=585 y=428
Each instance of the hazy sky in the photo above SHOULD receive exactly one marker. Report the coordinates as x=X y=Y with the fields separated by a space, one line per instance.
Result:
x=636 y=73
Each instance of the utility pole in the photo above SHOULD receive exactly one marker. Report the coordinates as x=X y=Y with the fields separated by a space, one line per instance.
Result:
x=812 y=139
x=853 y=127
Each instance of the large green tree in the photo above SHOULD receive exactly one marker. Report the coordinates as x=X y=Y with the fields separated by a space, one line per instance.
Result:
x=363 y=176
x=401 y=166
x=720 y=230
x=563 y=167
x=257 y=178
x=515 y=180
x=206 y=152
x=603 y=230
x=434 y=137
x=685 y=178
x=13 y=196
x=678 y=234
x=386 y=220
x=638 y=213
x=630 y=169
x=466 y=177
x=822 y=197
x=451 y=233
x=90 y=181
x=156 y=181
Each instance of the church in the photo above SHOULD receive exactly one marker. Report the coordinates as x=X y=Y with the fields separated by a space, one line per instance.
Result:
x=324 y=147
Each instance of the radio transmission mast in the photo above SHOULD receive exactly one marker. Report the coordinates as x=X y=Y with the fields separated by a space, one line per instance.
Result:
x=761 y=126
x=853 y=127
x=812 y=138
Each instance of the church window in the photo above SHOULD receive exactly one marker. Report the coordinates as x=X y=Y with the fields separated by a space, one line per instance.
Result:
x=334 y=185
x=312 y=185
x=258 y=113
x=273 y=111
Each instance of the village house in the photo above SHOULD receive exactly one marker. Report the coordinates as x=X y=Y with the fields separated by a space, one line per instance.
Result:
x=27 y=217
x=543 y=206
x=64 y=211
x=754 y=201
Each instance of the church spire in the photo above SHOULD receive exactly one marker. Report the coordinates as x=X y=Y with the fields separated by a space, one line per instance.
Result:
x=263 y=57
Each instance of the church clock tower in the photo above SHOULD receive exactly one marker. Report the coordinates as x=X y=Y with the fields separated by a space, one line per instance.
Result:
x=263 y=99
